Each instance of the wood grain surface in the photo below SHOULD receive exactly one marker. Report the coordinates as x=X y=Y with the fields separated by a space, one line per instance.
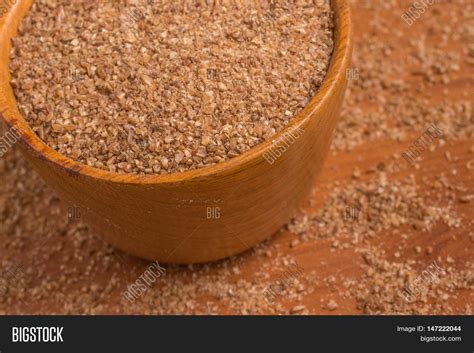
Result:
x=57 y=255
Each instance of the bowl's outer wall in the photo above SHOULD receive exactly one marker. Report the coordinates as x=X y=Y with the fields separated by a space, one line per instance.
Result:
x=206 y=217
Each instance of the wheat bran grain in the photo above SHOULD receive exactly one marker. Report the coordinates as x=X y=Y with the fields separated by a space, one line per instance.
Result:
x=166 y=86
x=381 y=205
x=380 y=290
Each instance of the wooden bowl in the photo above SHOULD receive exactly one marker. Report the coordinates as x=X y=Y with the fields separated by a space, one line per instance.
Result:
x=199 y=215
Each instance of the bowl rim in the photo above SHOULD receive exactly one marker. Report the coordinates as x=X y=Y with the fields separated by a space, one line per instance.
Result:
x=340 y=59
